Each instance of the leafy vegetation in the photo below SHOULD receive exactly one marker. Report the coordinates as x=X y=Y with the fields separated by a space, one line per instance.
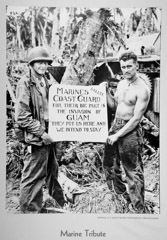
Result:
x=82 y=163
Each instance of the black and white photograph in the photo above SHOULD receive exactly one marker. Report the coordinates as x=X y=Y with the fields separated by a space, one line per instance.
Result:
x=82 y=126
x=100 y=155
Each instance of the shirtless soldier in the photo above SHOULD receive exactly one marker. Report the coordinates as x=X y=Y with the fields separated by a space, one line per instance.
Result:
x=124 y=142
x=31 y=115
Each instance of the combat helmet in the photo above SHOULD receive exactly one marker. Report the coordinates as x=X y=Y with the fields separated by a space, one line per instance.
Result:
x=38 y=54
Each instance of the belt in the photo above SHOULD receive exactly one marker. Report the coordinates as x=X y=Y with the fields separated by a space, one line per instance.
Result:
x=120 y=121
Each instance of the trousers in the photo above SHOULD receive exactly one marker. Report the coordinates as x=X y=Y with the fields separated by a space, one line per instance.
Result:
x=125 y=154
x=40 y=167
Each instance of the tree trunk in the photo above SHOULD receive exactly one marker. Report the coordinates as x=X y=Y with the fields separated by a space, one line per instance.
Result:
x=55 y=32
x=67 y=30
x=44 y=39
x=69 y=23
x=33 y=43
x=88 y=45
x=19 y=41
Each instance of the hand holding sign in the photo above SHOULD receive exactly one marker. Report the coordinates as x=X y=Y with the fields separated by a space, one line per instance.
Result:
x=78 y=113
x=46 y=139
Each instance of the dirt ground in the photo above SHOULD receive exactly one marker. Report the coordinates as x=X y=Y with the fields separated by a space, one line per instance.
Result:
x=96 y=197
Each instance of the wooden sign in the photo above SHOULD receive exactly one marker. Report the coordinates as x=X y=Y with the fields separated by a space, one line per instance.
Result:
x=78 y=113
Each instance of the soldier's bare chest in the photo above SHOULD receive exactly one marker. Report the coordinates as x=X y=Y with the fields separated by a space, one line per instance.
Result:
x=127 y=94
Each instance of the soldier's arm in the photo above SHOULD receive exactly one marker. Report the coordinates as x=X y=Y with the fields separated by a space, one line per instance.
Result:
x=111 y=100
x=143 y=98
x=23 y=112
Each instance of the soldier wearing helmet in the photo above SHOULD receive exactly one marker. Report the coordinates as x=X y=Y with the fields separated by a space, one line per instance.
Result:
x=31 y=115
x=39 y=54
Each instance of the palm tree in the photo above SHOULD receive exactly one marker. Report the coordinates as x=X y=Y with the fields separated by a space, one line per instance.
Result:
x=91 y=36
x=16 y=29
x=41 y=25
x=67 y=30
x=25 y=30
x=55 y=41
x=144 y=21
x=11 y=30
